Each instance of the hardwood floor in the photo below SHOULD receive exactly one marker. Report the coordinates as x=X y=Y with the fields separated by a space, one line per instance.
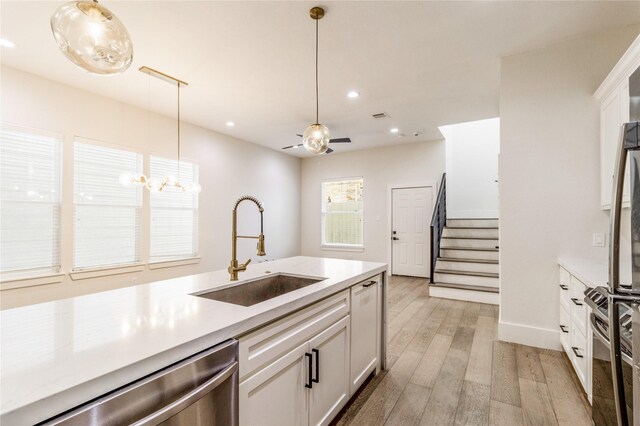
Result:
x=446 y=367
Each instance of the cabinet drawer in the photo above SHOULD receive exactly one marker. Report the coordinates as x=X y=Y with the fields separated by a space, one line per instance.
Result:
x=564 y=290
x=565 y=329
x=578 y=306
x=257 y=349
x=578 y=355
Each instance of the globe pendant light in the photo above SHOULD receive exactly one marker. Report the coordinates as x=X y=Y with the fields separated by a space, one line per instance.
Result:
x=316 y=137
x=92 y=37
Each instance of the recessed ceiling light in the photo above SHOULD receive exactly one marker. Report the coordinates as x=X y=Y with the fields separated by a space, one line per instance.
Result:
x=7 y=43
x=230 y=124
x=353 y=94
x=394 y=130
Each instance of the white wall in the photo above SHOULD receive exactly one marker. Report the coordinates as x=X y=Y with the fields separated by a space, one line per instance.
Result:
x=229 y=168
x=549 y=176
x=472 y=168
x=380 y=167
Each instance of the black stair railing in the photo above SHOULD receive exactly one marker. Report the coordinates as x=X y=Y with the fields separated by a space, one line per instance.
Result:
x=438 y=221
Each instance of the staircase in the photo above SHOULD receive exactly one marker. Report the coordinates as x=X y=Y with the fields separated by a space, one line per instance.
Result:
x=467 y=265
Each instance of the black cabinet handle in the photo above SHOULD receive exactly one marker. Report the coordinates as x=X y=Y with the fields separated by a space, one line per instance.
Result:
x=369 y=284
x=317 y=379
x=575 y=351
x=564 y=287
x=576 y=301
x=564 y=328
x=309 y=383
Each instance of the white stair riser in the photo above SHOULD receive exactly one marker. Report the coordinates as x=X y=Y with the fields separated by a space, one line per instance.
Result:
x=471 y=243
x=470 y=233
x=469 y=254
x=471 y=296
x=467 y=266
x=467 y=280
x=473 y=223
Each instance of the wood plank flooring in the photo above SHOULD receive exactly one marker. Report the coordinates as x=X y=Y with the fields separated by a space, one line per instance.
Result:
x=446 y=367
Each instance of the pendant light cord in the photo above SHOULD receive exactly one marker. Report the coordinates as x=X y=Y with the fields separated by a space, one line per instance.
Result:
x=317 y=103
x=178 y=177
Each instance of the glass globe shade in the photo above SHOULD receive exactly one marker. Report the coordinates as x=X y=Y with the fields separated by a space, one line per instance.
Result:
x=92 y=37
x=316 y=138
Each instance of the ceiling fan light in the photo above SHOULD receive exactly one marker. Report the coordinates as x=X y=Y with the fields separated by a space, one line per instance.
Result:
x=316 y=138
x=91 y=37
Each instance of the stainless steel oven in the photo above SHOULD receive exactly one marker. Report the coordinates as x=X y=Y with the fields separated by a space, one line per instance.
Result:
x=201 y=390
x=604 y=401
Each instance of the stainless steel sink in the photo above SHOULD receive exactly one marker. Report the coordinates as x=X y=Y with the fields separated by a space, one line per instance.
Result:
x=258 y=290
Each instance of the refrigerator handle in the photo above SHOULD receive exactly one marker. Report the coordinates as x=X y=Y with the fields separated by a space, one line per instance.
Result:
x=614 y=280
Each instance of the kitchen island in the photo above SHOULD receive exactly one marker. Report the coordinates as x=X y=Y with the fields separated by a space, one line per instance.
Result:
x=60 y=354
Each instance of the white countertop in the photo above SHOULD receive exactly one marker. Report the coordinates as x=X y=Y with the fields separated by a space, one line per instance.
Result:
x=57 y=355
x=593 y=273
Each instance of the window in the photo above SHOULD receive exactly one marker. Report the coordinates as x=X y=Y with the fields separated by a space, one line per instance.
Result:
x=30 y=202
x=174 y=213
x=342 y=213
x=106 y=213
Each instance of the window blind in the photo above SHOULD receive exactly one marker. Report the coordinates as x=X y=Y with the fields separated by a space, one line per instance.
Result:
x=342 y=213
x=106 y=213
x=174 y=213
x=30 y=201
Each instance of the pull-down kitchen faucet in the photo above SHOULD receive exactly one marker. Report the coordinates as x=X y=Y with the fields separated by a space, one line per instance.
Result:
x=234 y=267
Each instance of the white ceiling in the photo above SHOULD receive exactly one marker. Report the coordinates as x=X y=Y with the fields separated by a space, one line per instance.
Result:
x=424 y=63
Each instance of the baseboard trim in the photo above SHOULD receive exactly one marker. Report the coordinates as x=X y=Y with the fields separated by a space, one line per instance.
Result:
x=530 y=336
x=466 y=295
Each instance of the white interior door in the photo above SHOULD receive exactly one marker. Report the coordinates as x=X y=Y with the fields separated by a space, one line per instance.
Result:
x=411 y=215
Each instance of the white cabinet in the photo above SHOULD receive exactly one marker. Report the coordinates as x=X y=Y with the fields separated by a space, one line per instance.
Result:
x=365 y=342
x=329 y=390
x=303 y=368
x=307 y=386
x=613 y=95
x=275 y=395
x=575 y=328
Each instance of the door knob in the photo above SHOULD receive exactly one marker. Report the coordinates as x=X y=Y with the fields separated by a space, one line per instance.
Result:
x=395 y=238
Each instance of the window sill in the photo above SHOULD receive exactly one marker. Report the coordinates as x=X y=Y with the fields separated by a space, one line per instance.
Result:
x=342 y=248
x=21 y=282
x=104 y=272
x=172 y=263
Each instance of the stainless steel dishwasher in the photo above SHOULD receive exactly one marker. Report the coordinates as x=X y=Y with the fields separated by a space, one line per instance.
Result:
x=200 y=390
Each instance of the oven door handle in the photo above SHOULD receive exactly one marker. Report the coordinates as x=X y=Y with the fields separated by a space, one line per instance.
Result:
x=603 y=338
x=183 y=402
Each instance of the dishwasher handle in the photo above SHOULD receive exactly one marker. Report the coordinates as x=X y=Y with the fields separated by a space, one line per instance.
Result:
x=186 y=400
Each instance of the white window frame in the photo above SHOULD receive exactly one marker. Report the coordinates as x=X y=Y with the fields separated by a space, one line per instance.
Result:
x=99 y=271
x=180 y=261
x=46 y=274
x=334 y=246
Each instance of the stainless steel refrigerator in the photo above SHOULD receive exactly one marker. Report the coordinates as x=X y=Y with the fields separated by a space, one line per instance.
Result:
x=615 y=319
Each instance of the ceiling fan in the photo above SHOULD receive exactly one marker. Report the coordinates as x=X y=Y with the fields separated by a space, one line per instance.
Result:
x=329 y=151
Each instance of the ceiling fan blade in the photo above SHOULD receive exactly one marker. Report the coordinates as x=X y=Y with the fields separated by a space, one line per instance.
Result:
x=298 y=134
x=340 y=140
x=328 y=151
x=292 y=146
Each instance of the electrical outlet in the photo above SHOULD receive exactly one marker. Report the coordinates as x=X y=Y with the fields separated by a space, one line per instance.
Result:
x=598 y=239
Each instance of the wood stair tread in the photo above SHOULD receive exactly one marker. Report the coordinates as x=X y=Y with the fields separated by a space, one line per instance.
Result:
x=453 y=259
x=466 y=287
x=469 y=248
x=468 y=273
x=470 y=238
x=471 y=227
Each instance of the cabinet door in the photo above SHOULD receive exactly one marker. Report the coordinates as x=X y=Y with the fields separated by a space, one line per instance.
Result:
x=364 y=331
x=276 y=395
x=330 y=390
